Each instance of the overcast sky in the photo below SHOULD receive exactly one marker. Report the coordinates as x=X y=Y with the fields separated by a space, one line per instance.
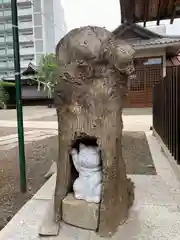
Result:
x=103 y=13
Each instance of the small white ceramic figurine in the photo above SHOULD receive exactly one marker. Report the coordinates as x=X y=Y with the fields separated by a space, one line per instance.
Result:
x=87 y=162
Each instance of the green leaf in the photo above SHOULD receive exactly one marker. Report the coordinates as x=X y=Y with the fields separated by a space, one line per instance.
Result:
x=48 y=73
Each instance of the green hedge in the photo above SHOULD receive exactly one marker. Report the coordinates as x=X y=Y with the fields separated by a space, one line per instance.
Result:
x=7 y=84
x=7 y=93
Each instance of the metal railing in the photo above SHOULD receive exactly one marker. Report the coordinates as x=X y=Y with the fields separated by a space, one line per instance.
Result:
x=166 y=110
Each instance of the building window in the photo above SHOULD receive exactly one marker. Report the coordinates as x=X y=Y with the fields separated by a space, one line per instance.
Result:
x=9 y=38
x=27 y=46
x=38 y=32
x=27 y=6
x=27 y=33
x=26 y=20
x=2 y=51
x=10 y=63
x=1 y=26
x=36 y=6
x=7 y=13
x=27 y=59
x=39 y=46
x=8 y=26
x=38 y=57
x=10 y=51
x=37 y=19
x=1 y=38
x=3 y=64
x=153 y=61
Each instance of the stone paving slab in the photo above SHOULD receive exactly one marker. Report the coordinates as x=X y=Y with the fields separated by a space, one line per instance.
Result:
x=11 y=141
x=7 y=131
x=29 y=112
x=30 y=124
x=139 y=123
x=155 y=214
x=149 y=222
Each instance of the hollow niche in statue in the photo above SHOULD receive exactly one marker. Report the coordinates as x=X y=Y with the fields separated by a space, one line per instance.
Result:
x=87 y=162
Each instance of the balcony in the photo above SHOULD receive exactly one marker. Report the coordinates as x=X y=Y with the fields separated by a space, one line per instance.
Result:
x=5 y=1
x=8 y=26
x=2 y=40
x=3 y=65
x=21 y=13
x=23 y=1
x=25 y=25
x=24 y=63
x=9 y=39
x=27 y=51
x=8 y=2
x=10 y=51
x=2 y=53
x=22 y=39
x=10 y=64
x=2 y=27
x=22 y=26
x=25 y=12
x=7 y=13
x=26 y=38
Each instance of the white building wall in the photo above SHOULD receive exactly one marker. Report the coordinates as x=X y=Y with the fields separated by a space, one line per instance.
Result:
x=49 y=28
x=59 y=20
x=161 y=29
x=54 y=24
x=41 y=26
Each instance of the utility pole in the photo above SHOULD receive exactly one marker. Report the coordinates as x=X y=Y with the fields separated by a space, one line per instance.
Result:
x=18 y=96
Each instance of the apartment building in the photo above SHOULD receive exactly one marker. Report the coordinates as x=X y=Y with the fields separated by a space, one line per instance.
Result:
x=41 y=26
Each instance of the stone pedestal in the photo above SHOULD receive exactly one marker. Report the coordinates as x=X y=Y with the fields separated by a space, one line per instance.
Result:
x=80 y=213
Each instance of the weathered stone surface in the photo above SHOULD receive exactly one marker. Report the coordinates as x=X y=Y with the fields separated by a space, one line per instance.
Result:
x=80 y=213
x=94 y=73
x=48 y=226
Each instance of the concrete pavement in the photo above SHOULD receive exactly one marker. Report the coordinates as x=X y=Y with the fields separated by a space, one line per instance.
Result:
x=41 y=130
x=155 y=214
x=11 y=141
x=29 y=112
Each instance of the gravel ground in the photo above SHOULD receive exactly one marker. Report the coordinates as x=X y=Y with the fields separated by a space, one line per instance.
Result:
x=39 y=157
x=11 y=130
x=7 y=131
x=48 y=118
x=137 y=154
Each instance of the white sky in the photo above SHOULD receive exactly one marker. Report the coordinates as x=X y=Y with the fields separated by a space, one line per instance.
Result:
x=103 y=13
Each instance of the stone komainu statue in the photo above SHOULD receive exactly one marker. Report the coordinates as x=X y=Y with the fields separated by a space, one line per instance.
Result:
x=94 y=71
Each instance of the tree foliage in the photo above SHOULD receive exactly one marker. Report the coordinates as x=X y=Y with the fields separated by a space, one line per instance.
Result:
x=4 y=96
x=47 y=73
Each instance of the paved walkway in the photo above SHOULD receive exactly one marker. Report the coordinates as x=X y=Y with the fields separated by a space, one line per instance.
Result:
x=44 y=129
x=28 y=113
x=41 y=130
x=155 y=214
x=11 y=141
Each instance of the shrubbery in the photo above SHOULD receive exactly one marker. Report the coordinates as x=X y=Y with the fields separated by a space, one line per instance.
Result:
x=4 y=96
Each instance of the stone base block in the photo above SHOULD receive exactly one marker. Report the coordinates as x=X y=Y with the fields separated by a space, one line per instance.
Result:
x=80 y=213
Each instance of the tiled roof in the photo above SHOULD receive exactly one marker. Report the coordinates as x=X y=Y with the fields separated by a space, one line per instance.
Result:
x=138 y=43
